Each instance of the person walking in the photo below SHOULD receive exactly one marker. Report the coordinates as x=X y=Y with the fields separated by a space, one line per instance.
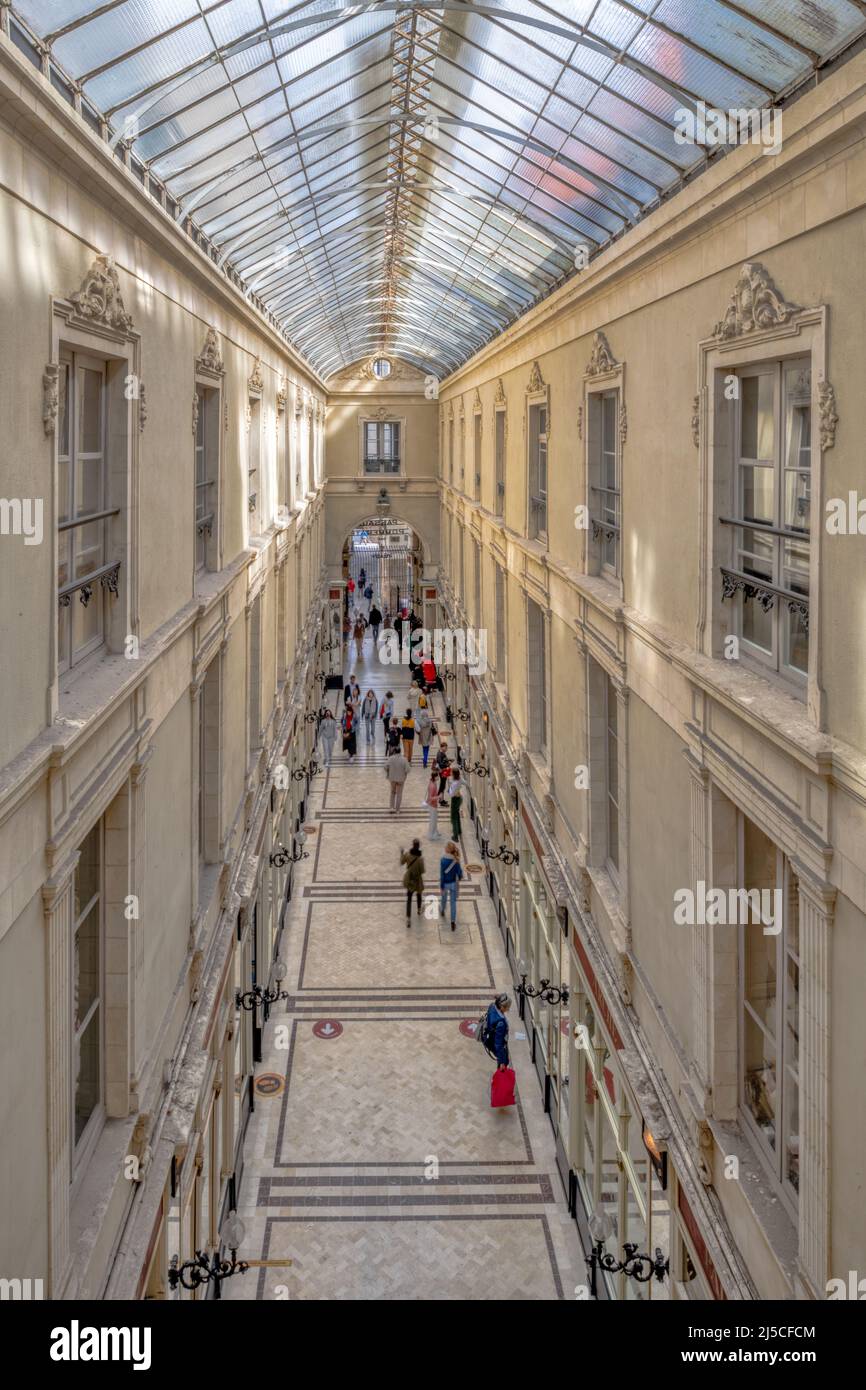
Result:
x=455 y=802
x=443 y=765
x=358 y=632
x=350 y=739
x=327 y=734
x=351 y=690
x=396 y=770
x=375 y=622
x=496 y=1036
x=407 y=734
x=394 y=739
x=450 y=874
x=362 y=580
x=424 y=727
x=368 y=711
x=386 y=714
x=413 y=878
x=368 y=595
x=431 y=801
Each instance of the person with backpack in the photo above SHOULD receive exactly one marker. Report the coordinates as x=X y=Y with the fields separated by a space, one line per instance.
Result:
x=327 y=734
x=368 y=595
x=350 y=738
x=386 y=713
x=431 y=801
x=450 y=874
x=375 y=622
x=493 y=1030
x=407 y=734
x=413 y=878
x=394 y=741
x=368 y=712
x=455 y=802
x=396 y=770
x=425 y=728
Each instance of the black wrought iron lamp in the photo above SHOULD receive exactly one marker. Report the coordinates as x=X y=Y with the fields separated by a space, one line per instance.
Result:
x=639 y=1267
x=192 y=1274
x=281 y=857
x=256 y=996
x=546 y=992
x=310 y=769
x=508 y=856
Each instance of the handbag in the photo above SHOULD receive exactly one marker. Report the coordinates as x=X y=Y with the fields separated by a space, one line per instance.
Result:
x=502 y=1087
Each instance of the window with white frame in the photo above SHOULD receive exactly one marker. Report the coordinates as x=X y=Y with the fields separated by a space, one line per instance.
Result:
x=206 y=472
x=254 y=478
x=461 y=541
x=539 y=684
x=612 y=771
x=451 y=449
x=83 y=507
x=476 y=453
x=769 y=994
x=768 y=574
x=88 y=981
x=605 y=489
x=538 y=471
x=476 y=582
x=381 y=446
x=255 y=672
x=499 y=449
x=209 y=765
x=500 y=619
x=462 y=450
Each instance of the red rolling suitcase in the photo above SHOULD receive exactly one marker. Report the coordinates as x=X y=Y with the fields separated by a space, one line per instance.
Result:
x=502 y=1087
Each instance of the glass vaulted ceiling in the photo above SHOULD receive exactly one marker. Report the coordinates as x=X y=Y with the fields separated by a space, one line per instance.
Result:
x=409 y=178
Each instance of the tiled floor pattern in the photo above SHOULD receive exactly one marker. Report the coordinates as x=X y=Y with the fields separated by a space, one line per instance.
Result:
x=379 y=1171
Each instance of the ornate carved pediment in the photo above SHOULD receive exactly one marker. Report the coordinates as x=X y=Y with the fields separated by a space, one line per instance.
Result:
x=50 y=396
x=99 y=300
x=209 y=358
x=601 y=359
x=257 y=380
x=499 y=398
x=536 y=380
x=755 y=304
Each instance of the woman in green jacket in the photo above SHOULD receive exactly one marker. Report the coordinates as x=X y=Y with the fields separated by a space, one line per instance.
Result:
x=413 y=878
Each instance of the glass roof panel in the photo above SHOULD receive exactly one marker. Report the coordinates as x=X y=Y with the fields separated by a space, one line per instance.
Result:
x=290 y=135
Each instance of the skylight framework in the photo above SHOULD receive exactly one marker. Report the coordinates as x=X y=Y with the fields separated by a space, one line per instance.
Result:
x=407 y=178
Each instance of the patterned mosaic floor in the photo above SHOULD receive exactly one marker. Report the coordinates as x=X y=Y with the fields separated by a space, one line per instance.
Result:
x=376 y=1169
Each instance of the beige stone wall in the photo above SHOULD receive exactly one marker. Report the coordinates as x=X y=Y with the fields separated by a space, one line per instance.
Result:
x=118 y=737
x=795 y=765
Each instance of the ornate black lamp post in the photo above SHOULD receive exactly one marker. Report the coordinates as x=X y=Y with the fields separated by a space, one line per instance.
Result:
x=308 y=770
x=508 y=856
x=193 y=1273
x=548 y=993
x=635 y=1266
x=257 y=995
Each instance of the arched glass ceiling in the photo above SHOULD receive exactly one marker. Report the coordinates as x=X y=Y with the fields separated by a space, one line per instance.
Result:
x=408 y=178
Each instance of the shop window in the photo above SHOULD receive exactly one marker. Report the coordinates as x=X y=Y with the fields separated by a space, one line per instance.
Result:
x=766 y=577
x=769 y=989
x=604 y=483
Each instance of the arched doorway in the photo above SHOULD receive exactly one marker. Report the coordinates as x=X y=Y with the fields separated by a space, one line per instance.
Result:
x=386 y=555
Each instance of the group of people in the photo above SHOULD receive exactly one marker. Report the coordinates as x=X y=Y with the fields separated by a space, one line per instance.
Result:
x=450 y=876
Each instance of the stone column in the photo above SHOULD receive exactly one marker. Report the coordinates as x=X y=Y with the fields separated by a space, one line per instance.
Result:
x=817 y=901
x=59 y=906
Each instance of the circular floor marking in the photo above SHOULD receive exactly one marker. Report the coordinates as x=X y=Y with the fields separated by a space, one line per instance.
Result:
x=474 y=868
x=327 y=1028
x=269 y=1084
x=468 y=1026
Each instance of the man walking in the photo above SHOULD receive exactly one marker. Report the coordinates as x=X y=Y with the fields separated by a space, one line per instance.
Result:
x=396 y=770
x=375 y=623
